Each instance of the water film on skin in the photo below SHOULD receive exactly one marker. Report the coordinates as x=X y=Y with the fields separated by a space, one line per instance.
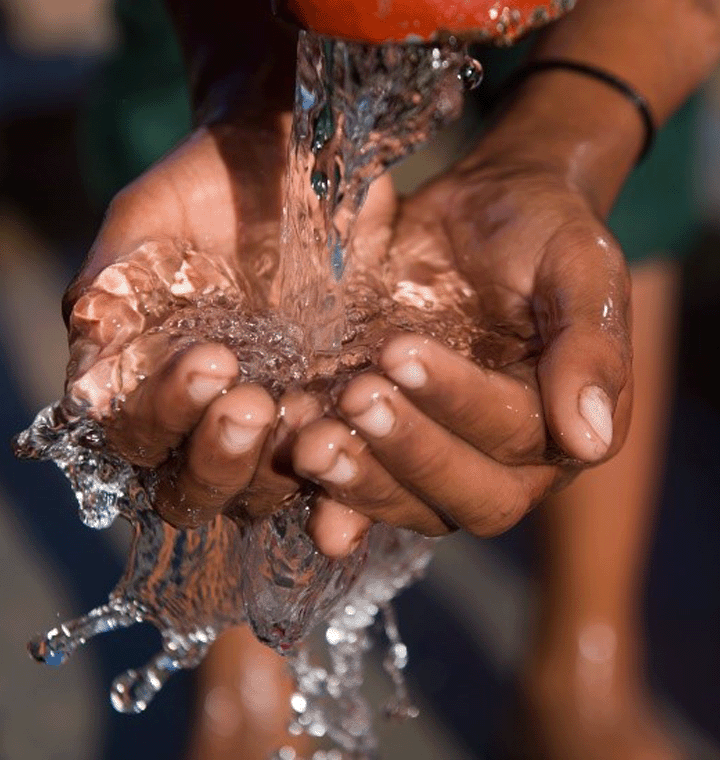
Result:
x=358 y=109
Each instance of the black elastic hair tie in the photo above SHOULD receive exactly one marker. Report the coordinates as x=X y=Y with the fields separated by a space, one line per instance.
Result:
x=640 y=103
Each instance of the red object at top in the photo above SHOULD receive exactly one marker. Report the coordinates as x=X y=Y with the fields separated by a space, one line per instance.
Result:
x=378 y=21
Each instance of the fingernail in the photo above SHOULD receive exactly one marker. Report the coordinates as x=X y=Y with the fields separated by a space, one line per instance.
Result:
x=203 y=388
x=236 y=439
x=346 y=543
x=410 y=374
x=377 y=421
x=342 y=471
x=295 y=414
x=594 y=406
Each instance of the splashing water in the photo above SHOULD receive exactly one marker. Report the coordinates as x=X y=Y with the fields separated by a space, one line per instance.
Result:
x=358 y=109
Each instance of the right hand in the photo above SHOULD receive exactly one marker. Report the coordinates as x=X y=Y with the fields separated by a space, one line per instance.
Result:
x=436 y=441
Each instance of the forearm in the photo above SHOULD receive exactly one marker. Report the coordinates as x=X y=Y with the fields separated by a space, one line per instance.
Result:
x=582 y=127
x=240 y=58
x=664 y=48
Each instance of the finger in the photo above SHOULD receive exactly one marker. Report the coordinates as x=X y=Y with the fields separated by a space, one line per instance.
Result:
x=103 y=383
x=582 y=302
x=472 y=489
x=167 y=405
x=336 y=529
x=220 y=456
x=494 y=412
x=274 y=477
x=105 y=320
x=297 y=409
x=121 y=301
x=330 y=454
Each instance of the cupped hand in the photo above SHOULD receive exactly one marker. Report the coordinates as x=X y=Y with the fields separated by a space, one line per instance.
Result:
x=201 y=224
x=437 y=440
x=193 y=240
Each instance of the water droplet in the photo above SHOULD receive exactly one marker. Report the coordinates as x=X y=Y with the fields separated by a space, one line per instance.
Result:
x=471 y=74
x=133 y=690
x=320 y=184
x=41 y=650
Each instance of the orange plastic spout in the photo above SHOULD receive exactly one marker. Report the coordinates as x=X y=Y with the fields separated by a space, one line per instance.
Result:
x=378 y=21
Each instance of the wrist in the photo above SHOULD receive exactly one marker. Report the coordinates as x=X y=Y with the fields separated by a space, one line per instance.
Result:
x=572 y=127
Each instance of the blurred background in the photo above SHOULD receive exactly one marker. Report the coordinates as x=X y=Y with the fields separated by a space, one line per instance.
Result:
x=467 y=624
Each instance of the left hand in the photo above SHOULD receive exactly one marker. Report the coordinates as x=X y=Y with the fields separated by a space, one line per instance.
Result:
x=435 y=440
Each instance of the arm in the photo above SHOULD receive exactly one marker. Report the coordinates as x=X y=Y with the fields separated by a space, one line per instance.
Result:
x=522 y=218
x=238 y=55
x=587 y=131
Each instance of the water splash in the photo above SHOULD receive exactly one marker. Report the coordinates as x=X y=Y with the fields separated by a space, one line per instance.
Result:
x=194 y=583
x=358 y=109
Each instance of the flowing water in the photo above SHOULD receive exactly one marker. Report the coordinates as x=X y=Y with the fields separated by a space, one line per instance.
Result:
x=358 y=109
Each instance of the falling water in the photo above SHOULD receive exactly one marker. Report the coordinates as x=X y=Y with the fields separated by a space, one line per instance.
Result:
x=358 y=109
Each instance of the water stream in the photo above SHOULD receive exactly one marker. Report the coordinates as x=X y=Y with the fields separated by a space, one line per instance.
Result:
x=358 y=109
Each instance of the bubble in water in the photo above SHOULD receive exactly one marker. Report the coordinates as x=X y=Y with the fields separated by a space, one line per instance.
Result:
x=324 y=128
x=320 y=184
x=471 y=74
x=43 y=651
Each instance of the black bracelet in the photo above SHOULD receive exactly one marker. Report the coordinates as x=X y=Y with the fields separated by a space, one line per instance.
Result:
x=642 y=106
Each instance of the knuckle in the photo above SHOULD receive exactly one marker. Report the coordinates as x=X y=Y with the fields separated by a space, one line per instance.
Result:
x=425 y=464
x=522 y=445
x=378 y=499
x=506 y=509
x=537 y=483
x=464 y=408
x=389 y=499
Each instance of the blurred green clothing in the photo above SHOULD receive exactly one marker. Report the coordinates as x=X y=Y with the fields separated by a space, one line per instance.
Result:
x=139 y=110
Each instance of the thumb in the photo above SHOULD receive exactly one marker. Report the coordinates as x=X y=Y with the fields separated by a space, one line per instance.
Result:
x=585 y=372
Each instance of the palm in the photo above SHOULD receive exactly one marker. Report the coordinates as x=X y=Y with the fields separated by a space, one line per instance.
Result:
x=200 y=229
x=547 y=279
x=521 y=261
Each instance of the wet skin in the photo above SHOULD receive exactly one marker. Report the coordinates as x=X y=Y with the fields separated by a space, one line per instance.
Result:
x=520 y=220
x=432 y=441
x=441 y=441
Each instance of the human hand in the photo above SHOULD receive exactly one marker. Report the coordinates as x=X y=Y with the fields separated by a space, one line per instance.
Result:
x=443 y=441
x=202 y=222
x=189 y=246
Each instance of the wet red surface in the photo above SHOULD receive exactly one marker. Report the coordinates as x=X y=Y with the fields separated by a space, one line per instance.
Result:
x=379 y=21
